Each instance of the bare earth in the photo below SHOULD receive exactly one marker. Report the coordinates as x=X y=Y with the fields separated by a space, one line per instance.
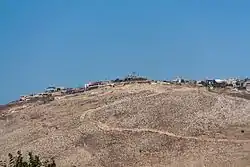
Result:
x=138 y=125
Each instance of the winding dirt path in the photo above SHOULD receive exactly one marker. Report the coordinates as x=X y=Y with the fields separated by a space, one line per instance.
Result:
x=90 y=111
x=104 y=127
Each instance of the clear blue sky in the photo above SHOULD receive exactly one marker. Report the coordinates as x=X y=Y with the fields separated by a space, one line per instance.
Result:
x=67 y=43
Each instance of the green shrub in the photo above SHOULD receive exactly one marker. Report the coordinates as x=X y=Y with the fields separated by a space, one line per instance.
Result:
x=32 y=161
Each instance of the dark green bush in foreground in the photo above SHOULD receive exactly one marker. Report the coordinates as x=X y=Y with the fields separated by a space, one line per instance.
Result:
x=32 y=161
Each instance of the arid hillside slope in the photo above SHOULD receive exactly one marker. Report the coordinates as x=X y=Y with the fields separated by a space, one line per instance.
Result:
x=133 y=125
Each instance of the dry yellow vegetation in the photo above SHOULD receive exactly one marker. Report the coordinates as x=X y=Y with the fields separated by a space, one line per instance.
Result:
x=138 y=125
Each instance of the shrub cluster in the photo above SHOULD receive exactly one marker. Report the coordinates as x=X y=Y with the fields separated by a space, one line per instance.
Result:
x=32 y=161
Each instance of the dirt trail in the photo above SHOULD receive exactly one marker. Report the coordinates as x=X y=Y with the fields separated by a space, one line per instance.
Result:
x=89 y=112
x=104 y=127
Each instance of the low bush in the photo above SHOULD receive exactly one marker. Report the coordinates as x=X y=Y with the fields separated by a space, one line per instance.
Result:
x=32 y=161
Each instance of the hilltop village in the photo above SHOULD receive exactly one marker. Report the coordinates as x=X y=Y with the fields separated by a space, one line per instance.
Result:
x=238 y=87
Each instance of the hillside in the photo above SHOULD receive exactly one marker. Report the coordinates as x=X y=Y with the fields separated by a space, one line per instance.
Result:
x=133 y=125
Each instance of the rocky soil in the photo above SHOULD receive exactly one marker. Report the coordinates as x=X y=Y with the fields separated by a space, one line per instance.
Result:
x=138 y=125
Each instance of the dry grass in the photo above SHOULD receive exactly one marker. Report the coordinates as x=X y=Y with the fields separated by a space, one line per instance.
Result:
x=134 y=125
